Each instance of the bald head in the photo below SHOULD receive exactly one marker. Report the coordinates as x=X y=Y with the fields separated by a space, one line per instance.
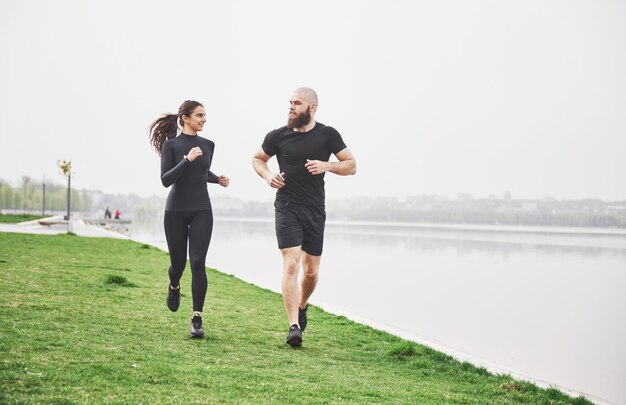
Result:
x=306 y=94
x=302 y=108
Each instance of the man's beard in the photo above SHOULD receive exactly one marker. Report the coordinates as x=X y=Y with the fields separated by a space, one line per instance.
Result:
x=299 y=120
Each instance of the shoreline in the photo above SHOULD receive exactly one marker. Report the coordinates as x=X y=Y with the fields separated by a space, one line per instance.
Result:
x=522 y=229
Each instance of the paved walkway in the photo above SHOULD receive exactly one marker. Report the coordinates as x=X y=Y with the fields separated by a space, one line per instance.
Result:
x=78 y=226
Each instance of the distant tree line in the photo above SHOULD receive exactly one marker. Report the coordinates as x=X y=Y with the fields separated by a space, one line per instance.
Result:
x=546 y=212
x=462 y=210
x=28 y=196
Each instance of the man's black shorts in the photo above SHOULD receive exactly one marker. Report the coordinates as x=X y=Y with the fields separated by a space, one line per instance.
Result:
x=300 y=225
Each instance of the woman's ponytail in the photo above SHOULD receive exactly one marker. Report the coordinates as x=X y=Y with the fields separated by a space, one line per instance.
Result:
x=164 y=127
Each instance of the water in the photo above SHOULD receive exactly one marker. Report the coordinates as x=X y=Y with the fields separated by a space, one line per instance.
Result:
x=544 y=304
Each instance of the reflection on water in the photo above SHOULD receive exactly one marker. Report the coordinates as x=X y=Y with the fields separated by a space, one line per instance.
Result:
x=538 y=303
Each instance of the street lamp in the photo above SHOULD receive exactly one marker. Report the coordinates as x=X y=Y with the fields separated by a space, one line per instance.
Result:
x=43 y=203
x=25 y=179
x=66 y=170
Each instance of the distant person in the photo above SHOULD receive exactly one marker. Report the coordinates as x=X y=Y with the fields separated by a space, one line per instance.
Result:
x=118 y=213
x=302 y=148
x=107 y=213
x=185 y=165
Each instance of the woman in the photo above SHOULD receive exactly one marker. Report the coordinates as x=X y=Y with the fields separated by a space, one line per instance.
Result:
x=185 y=165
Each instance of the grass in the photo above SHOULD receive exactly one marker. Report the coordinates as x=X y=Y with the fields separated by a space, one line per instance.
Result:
x=84 y=320
x=15 y=218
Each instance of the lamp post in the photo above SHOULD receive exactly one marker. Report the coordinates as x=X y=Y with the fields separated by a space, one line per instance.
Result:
x=69 y=194
x=43 y=203
x=66 y=169
x=25 y=179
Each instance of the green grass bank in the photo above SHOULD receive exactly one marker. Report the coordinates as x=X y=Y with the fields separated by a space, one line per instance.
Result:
x=84 y=320
x=16 y=218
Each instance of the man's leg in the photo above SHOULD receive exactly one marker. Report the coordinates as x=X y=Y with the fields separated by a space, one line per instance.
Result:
x=312 y=246
x=290 y=290
x=310 y=267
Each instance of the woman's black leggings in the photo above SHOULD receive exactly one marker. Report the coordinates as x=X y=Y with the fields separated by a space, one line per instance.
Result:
x=195 y=226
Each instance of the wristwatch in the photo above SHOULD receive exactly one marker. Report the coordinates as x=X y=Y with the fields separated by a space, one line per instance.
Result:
x=185 y=158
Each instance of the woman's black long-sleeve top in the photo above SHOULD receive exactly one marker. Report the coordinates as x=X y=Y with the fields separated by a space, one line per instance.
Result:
x=189 y=190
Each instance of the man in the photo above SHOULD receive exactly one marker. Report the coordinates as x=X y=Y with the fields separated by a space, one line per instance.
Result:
x=302 y=149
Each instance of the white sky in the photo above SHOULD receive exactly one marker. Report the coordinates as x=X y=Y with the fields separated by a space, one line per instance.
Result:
x=436 y=97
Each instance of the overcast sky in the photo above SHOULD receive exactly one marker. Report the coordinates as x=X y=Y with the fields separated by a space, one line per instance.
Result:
x=432 y=97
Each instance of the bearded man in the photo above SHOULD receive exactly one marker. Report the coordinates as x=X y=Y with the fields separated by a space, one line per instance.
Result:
x=303 y=149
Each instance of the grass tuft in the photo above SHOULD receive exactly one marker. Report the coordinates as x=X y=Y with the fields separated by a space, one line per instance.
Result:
x=469 y=367
x=513 y=386
x=403 y=350
x=17 y=218
x=118 y=280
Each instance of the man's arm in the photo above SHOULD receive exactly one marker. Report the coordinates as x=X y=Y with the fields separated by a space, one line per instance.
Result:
x=345 y=167
x=259 y=163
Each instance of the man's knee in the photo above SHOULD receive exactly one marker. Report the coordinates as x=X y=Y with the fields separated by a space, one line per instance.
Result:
x=291 y=267
x=291 y=261
x=311 y=272
x=310 y=265
x=310 y=277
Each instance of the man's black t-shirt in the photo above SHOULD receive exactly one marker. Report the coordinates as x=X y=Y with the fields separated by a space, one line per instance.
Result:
x=188 y=179
x=292 y=149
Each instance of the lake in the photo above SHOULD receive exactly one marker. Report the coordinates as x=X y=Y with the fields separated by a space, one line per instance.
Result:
x=543 y=304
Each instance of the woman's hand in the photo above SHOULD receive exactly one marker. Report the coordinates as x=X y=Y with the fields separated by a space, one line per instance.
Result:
x=223 y=181
x=194 y=153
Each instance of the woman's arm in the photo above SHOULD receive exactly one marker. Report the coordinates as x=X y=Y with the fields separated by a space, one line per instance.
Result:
x=212 y=177
x=170 y=170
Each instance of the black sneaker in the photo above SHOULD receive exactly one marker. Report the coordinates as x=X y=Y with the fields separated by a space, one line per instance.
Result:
x=196 y=328
x=302 y=317
x=294 y=338
x=173 y=298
